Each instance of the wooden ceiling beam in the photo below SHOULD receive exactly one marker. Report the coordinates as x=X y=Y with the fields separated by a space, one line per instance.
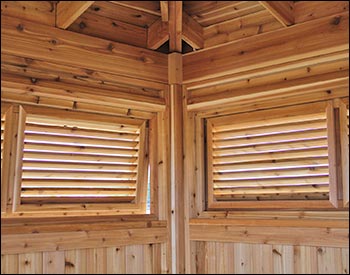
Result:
x=192 y=32
x=164 y=10
x=69 y=11
x=151 y=7
x=157 y=34
x=175 y=26
x=283 y=11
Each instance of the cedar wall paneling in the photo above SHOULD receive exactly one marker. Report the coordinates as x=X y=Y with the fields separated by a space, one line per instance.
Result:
x=132 y=259
x=241 y=258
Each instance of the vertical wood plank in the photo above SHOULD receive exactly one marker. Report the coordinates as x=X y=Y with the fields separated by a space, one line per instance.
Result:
x=224 y=258
x=200 y=166
x=176 y=165
x=228 y=251
x=329 y=260
x=17 y=179
x=189 y=180
x=243 y=258
x=283 y=259
x=53 y=262
x=344 y=148
x=345 y=260
x=157 y=259
x=30 y=263
x=75 y=261
x=153 y=159
x=262 y=262
x=9 y=264
x=134 y=259
x=175 y=26
x=211 y=257
x=142 y=173
x=10 y=149
x=202 y=258
x=6 y=157
x=116 y=260
x=332 y=155
x=96 y=260
x=193 y=258
x=305 y=260
x=209 y=164
x=164 y=182
x=147 y=258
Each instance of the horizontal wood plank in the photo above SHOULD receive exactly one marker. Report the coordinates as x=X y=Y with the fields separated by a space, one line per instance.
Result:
x=335 y=237
x=59 y=241
x=80 y=50
x=275 y=48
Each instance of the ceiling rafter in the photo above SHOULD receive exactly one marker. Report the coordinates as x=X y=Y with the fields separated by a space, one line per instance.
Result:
x=68 y=11
x=157 y=34
x=283 y=11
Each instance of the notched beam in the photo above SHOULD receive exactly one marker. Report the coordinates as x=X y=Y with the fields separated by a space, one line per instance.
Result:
x=157 y=34
x=192 y=32
x=283 y=11
x=69 y=11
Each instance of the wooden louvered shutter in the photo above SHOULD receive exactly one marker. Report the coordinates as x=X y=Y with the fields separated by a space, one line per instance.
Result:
x=268 y=156
x=68 y=160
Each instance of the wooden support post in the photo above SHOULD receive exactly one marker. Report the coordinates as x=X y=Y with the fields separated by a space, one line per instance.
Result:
x=176 y=168
x=164 y=9
x=175 y=26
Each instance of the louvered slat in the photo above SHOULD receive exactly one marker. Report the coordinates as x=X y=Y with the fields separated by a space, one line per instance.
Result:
x=68 y=161
x=264 y=156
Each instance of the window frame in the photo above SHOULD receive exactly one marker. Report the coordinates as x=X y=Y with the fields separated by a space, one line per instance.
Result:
x=333 y=202
x=147 y=135
x=343 y=106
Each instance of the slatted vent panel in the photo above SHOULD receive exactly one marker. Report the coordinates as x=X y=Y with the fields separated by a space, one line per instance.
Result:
x=282 y=158
x=71 y=162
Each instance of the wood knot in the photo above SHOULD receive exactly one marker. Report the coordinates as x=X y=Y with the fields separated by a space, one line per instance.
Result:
x=68 y=264
x=276 y=252
x=20 y=27
x=336 y=20
x=82 y=25
x=110 y=47
x=33 y=80
x=97 y=8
